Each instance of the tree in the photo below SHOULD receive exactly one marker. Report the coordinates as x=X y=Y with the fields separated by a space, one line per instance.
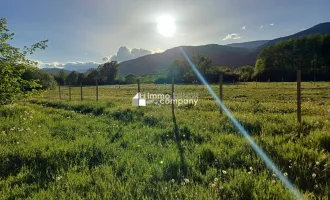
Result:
x=109 y=71
x=44 y=79
x=61 y=77
x=72 y=78
x=13 y=63
x=130 y=79
x=308 y=53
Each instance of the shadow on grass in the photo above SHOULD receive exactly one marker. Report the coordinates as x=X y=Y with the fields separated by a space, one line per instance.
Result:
x=183 y=166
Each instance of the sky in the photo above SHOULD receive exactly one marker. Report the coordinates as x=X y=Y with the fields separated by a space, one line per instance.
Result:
x=86 y=32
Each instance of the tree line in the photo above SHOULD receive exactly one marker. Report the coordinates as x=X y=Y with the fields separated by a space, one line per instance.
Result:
x=104 y=74
x=310 y=54
x=278 y=62
x=19 y=76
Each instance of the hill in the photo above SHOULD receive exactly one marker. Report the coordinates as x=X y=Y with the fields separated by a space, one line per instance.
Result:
x=55 y=70
x=232 y=55
x=154 y=63
x=322 y=28
x=249 y=45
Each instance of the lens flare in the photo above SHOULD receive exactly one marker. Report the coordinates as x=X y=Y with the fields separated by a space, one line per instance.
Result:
x=270 y=164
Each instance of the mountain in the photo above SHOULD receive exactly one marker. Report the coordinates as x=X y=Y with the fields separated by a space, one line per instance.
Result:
x=249 y=45
x=232 y=55
x=55 y=70
x=322 y=28
x=154 y=63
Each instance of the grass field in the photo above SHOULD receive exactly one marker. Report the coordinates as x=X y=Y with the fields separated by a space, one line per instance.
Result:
x=109 y=149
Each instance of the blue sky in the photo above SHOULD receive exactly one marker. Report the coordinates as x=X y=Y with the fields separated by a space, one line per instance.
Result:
x=89 y=30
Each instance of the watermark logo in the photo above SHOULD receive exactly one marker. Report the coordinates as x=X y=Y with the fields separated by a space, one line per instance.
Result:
x=138 y=100
x=162 y=99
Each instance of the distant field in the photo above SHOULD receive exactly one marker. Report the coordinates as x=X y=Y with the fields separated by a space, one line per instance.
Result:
x=109 y=149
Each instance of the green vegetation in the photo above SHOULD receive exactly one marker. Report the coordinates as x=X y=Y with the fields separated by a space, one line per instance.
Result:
x=311 y=54
x=17 y=73
x=52 y=149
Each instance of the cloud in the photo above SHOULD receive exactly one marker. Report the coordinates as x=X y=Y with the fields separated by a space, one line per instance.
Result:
x=125 y=53
x=244 y=28
x=72 y=66
x=106 y=59
x=77 y=66
x=272 y=24
x=261 y=27
x=49 y=65
x=233 y=36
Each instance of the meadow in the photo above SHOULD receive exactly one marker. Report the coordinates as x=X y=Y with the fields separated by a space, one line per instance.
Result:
x=109 y=149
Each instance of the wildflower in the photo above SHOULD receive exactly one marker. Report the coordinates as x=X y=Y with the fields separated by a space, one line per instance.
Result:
x=39 y=126
x=161 y=162
x=251 y=168
x=213 y=185
x=273 y=181
x=249 y=172
x=224 y=172
x=317 y=163
x=285 y=174
x=325 y=165
x=290 y=166
x=17 y=142
x=216 y=179
x=59 y=178
x=173 y=180
x=186 y=180
x=28 y=129
x=316 y=186
x=3 y=132
x=220 y=187
x=313 y=175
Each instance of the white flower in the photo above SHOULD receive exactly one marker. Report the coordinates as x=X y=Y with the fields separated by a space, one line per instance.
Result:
x=285 y=174
x=224 y=172
x=161 y=162
x=273 y=181
x=220 y=187
x=317 y=163
x=39 y=126
x=17 y=142
x=213 y=185
x=313 y=175
x=290 y=166
x=173 y=180
x=59 y=178
x=186 y=180
x=249 y=172
x=251 y=168
x=216 y=179
x=3 y=132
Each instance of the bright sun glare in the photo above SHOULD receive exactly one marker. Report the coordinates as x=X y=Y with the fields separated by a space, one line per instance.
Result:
x=166 y=26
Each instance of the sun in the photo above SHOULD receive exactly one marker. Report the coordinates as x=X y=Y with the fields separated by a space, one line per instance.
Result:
x=166 y=26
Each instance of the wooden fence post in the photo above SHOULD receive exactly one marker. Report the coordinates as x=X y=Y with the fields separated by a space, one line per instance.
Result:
x=299 y=97
x=59 y=90
x=97 y=91
x=81 y=94
x=139 y=90
x=69 y=92
x=220 y=89
x=173 y=95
